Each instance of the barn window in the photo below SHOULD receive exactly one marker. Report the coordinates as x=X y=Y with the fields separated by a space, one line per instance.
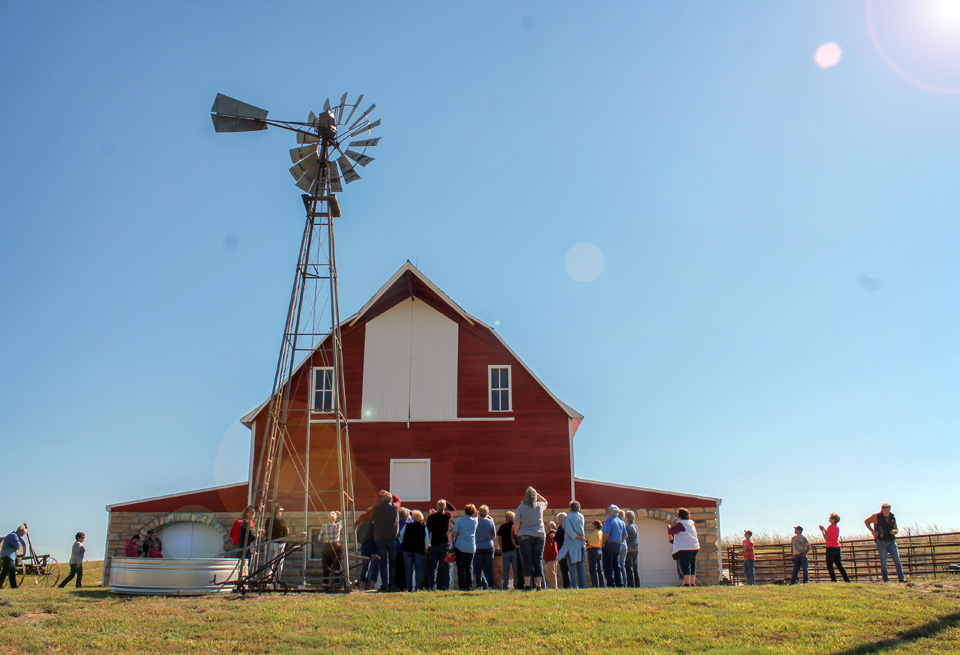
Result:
x=410 y=479
x=323 y=389
x=500 y=392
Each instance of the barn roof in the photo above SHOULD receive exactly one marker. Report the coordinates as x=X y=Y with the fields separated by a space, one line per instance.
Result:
x=225 y=498
x=593 y=493
x=401 y=286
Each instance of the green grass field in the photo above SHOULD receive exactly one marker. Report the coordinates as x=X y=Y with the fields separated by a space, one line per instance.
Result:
x=821 y=618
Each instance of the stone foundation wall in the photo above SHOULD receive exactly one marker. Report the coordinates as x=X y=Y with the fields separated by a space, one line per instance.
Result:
x=123 y=525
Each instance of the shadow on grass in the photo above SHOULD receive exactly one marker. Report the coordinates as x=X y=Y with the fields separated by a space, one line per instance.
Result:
x=905 y=637
x=95 y=593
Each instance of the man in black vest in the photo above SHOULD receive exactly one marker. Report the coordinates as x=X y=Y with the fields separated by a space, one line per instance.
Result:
x=883 y=527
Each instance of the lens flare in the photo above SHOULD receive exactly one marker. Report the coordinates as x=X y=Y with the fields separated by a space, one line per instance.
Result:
x=584 y=262
x=828 y=55
x=918 y=40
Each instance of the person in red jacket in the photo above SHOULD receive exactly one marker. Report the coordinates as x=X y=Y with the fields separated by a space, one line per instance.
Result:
x=550 y=551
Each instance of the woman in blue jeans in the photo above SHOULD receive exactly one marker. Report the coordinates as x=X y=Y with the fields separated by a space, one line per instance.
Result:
x=483 y=557
x=594 y=555
x=414 y=546
x=465 y=544
x=575 y=546
x=531 y=536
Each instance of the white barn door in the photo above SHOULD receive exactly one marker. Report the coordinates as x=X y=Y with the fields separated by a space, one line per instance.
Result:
x=657 y=566
x=410 y=362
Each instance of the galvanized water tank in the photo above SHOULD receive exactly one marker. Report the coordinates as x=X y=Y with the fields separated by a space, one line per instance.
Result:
x=176 y=577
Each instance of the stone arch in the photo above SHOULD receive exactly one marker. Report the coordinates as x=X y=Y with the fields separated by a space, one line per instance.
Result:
x=184 y=517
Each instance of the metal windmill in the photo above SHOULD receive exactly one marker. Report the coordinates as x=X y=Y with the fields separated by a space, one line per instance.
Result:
x=331 y=144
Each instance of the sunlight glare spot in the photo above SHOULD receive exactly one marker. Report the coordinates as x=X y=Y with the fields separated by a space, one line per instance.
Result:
x=584 y=262
x=944 y=15
x=828 y=55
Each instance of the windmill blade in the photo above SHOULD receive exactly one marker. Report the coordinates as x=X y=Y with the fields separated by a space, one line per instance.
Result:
x=343 y=103
x=312 y=119
x=231 y=115
x=326 y=104
x=308 y=164
x=332 y=177
x=363 y=160
x=366 y=143
x=311 y=174
x=297 y=154
x=353 y=108
x=335 y=186
x=349 y=174
x=363 y=115
x=307 y=184
x=364 y=128
x=306 y=137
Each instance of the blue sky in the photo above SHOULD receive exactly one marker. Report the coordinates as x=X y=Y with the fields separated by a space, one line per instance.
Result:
x=775 y=320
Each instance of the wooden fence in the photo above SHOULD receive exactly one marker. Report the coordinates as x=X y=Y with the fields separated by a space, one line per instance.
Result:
x=929 y=556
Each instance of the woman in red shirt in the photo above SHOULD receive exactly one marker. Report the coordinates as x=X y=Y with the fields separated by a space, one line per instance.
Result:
x=831 y=535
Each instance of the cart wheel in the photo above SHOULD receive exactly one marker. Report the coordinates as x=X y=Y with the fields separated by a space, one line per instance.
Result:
x=21 y=570
x=48 y=573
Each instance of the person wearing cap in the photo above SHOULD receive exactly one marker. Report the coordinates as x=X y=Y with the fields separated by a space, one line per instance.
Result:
x=749 y=557
x=614 y=534
x=12 y=543
x=799 y=547
x=883 y=527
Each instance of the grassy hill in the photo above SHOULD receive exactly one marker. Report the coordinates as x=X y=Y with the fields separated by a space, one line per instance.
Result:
x=823 y=618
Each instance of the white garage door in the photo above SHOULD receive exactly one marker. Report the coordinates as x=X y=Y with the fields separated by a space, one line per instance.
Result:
x=657 y=566
x=191 y=541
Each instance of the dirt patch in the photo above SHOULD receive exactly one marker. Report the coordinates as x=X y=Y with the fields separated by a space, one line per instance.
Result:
x=28 y=619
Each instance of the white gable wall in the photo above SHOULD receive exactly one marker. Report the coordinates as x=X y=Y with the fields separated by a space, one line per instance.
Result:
x=410 y=365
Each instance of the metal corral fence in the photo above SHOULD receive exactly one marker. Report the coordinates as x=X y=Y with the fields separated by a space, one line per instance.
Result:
x=929 y=556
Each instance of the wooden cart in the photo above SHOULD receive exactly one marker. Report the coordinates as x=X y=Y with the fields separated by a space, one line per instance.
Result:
x=43 y=570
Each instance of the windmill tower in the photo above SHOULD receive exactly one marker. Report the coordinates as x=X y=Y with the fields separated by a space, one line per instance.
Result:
x=330 y=146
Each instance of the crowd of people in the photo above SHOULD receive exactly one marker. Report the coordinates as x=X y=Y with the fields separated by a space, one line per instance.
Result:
x=882 y=526
x=404 y=550
x=536 y=552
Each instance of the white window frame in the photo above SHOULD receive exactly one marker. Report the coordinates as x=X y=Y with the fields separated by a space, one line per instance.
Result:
x=313 y=390
x=490 y=388
x=412 y=461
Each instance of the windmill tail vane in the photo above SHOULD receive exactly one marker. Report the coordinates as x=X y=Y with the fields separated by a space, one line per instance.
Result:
x=331 y=144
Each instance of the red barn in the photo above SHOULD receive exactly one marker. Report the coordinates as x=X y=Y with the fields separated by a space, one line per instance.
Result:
x=438 y=406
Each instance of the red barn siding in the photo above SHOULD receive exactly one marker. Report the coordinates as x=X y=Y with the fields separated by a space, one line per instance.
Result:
x=481 y=462
x=597 y=494
x=222 y=499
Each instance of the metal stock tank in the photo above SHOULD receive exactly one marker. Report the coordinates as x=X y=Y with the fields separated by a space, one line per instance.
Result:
x=173 y=577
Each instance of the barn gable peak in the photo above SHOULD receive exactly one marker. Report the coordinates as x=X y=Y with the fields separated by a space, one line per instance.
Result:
x=407 y=282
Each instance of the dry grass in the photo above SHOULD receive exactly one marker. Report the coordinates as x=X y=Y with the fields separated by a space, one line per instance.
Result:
x=825 y=618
